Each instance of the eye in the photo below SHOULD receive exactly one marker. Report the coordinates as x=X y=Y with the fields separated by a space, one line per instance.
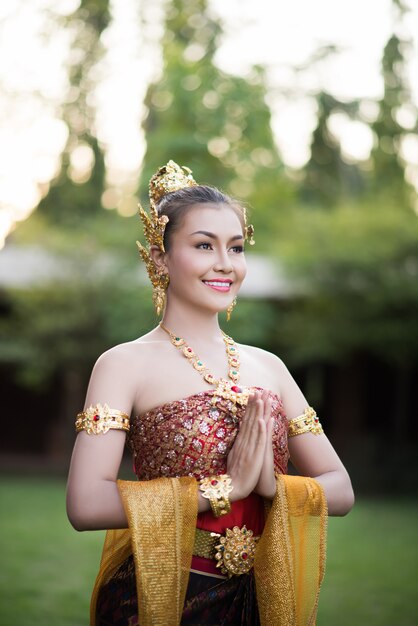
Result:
x=204 y=243
x=238 y=249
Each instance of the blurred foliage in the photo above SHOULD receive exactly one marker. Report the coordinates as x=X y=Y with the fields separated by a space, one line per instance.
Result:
x=355 y=276
x=388 y=172
x=213 y=122
x=327 y=176
x=65 y=326
x=76 y=192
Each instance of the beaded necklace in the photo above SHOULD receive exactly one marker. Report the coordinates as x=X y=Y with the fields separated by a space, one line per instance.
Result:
x=227 y=389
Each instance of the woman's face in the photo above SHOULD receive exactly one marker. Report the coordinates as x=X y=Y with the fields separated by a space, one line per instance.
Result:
x=205 y=261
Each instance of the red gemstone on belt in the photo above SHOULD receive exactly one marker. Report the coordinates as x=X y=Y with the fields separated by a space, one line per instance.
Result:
x=213 y=482
x=236 y=389
x=96 y=418
x=244 y=555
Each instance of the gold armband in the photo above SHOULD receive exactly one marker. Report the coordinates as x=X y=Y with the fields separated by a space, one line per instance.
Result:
x=101 y=418
x=305 y=423
x=216 y=489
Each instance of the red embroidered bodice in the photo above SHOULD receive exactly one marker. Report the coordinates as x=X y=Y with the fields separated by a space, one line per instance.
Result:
x=192 y=437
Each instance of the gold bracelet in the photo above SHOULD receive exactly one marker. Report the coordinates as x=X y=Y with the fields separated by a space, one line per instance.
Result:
x=216 y=489
x=99 y=419
x=307 y=422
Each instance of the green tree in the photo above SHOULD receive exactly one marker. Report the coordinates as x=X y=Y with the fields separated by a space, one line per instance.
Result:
x=327 y=176
x=216 y=123
x=75 y=195
x=388 y=168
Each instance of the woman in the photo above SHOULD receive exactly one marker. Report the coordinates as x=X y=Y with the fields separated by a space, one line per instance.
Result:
x=214 y=532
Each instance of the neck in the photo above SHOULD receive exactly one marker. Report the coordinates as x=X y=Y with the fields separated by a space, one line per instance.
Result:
x=194 y=325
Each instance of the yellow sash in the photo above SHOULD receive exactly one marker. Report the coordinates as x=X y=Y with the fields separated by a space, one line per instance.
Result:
x=290 y=557
x=289 y=562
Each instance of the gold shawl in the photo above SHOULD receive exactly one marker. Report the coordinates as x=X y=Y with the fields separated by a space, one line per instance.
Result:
x=290 y=557
x=289 y=561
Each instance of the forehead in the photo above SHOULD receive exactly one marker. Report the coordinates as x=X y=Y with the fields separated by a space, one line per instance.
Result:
x=212 y=217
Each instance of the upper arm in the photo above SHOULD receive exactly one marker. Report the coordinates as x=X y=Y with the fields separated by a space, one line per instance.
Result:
x=310 y=454
x=99 y=456
x=111 y=381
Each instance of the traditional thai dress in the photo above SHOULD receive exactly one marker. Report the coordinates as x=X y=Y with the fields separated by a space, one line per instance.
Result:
x=140 y=580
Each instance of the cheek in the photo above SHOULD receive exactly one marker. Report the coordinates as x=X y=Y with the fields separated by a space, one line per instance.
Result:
x=241 y=268
x=180 y=260
x=186 y=261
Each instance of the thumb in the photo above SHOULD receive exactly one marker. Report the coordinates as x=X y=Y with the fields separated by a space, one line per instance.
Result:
x=270 y=428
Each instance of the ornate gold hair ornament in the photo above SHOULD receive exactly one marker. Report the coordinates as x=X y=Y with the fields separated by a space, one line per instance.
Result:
x=248 y=229
x=168 y=178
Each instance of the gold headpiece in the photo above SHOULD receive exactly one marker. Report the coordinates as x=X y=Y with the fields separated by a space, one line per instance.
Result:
x=248 y=229
x=168 y=178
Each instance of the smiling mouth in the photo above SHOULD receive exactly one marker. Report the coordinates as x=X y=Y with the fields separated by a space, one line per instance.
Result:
x=219 y=285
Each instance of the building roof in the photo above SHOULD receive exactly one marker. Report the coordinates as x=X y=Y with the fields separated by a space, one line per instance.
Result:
x=24 y=266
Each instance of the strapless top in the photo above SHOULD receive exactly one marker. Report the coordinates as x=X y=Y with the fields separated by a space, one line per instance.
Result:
x=192 y=437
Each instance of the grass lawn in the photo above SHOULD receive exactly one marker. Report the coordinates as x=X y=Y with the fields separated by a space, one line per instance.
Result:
x=48 y=569
x=372 y=566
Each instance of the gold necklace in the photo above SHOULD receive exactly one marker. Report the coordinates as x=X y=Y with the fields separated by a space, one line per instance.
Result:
x=227 y=389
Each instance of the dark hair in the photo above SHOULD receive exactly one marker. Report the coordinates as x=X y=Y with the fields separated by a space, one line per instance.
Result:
x=177 y=203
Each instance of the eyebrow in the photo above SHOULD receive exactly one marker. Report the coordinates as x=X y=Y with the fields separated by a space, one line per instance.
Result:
x=213 y=236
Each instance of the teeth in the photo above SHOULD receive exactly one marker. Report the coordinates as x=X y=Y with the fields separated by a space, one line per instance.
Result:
x=216 y=283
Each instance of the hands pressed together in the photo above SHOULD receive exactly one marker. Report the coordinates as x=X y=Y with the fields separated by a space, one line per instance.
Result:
x=250 y=460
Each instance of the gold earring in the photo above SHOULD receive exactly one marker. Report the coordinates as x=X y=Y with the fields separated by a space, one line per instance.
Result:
x=230 y=309
x=159 y=289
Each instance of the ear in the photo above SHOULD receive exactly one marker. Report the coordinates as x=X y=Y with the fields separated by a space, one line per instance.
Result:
x=158 y=256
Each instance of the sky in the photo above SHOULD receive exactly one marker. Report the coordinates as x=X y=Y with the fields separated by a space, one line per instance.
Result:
x=280 y=36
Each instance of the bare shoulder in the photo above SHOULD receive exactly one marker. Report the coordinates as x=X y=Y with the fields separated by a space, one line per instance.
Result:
x=114 y=378
x=264 y=357
x=128 y=362
x=292 y=397
x=119 y=353
x=265 y=369
x=130 y=353
x=119 y=367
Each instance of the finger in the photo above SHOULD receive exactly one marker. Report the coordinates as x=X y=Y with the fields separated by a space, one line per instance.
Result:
x=257 y=416
x=260 y=441
x=266 y=405
x=251 y=409
x=267 y=409
x=253 y=437
x=252 y=398
x=247 y=417
x=266 y=394
x=270 y=428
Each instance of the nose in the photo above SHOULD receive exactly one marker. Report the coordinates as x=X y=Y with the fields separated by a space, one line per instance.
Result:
x=223 y=262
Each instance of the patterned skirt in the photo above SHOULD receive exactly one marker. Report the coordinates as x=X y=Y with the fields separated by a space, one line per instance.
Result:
x=209 y=601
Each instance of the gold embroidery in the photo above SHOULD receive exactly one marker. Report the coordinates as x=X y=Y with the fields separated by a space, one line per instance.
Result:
x=100 y=418
x=290 y=556
x=307 y=422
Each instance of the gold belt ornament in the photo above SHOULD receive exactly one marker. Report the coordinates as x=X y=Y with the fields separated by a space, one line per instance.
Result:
x=234 y=551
